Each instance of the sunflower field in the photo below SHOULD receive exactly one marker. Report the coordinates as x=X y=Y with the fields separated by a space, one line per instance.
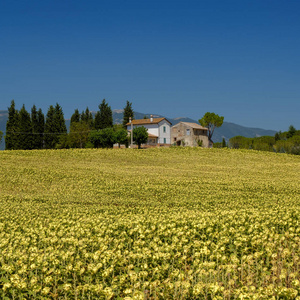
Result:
x=177 y=223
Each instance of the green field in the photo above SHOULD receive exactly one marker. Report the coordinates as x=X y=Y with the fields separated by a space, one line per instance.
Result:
x=176 y=223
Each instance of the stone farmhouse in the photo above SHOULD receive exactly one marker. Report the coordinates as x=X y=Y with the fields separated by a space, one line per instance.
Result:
x=189 y=134
x=159 y=130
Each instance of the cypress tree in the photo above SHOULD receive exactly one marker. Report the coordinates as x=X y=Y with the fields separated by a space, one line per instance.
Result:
x=103 y=118
x=75 y=117
x=60 y=123
x=88 y=117
x=59 y=119
x=41 y=128
x=59 y=129
x=82 y=116
x=35 y=128
x=97 y=123
x=25 y=128
x=128 y=113
x=50 y=138
x=12 y=128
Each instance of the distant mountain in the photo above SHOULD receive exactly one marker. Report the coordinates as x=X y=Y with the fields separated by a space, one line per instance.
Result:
x=227 y=130
x=118 y=117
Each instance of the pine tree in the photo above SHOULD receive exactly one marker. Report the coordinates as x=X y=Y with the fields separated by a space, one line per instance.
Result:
x=224 y=143
x=87 y=117
x=128 y=113
x=55 y=126
x=75 y=118
x=59 y=119
x=12 y=128
x=35 y=128
x=40 y=129
x=50 y=138
x=103 y=118
x=25 y=128
x=60 y=123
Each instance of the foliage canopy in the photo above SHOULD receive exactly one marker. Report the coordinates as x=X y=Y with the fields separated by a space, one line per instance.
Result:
x=211 y=121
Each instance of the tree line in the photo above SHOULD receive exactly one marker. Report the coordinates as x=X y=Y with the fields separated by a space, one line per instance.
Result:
x=34 y=130
x=282 y=142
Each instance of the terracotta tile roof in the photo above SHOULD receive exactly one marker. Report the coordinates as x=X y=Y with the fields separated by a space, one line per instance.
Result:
x=194 y=125
x=147 y=121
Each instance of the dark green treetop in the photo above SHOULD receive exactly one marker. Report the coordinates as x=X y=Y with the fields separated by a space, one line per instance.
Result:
x=38 y=124
x=128 y=113
x=140 y=135
x=41 y=128
x=25 y=129
x=211 y=121
x=291 y=132
x=12 y=128
x=75 y=117
x=50 y=138
x=54 y=126
x=121 y=137
x=104 y=138
x=87 y=117
x=103 y=118
x=59 y=119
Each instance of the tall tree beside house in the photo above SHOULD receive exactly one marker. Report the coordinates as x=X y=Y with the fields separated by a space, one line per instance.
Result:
x=140 y=136
x=211 y=121
x=25 y=129
x=75 y=118
x=103 y=118
x=128 y=113
x=12 y=128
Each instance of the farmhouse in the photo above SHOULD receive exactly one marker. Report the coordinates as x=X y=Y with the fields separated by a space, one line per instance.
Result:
x=159 y=130
x=189 y=134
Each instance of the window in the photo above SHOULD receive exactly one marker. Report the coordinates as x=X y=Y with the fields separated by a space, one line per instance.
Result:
x=165 y=140
x=188 y=132
x=164 y=129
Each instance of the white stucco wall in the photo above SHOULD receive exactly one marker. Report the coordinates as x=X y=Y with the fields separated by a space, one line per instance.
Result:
x=152 y=128
x=164 y=135
x=158 y=130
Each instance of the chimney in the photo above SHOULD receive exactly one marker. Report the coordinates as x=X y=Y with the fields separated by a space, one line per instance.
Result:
x=151 y=118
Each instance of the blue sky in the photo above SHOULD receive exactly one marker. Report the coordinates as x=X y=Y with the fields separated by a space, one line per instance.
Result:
x=239 y=59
